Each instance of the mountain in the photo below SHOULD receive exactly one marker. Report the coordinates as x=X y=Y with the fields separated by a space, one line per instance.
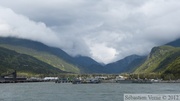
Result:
x=137 y=64
x=124 y=65
x=156 y=56
x=60 y=59
x=164 y=60
x=175 y=43
x=170 y=67
x=53 y=56
x=82 y=64
x=24 y=64
x=88 y=65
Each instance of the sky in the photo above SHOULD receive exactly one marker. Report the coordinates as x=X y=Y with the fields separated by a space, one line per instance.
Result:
x=105 y=30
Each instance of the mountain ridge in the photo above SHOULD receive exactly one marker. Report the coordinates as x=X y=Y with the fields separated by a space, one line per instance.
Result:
x=24 y=64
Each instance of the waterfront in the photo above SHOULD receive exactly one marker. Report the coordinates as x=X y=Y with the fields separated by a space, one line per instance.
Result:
x=50 y=91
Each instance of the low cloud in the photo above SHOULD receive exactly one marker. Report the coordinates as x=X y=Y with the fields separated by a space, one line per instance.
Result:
x=106 y=30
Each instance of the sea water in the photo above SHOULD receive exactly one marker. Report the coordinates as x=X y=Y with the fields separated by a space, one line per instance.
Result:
x=50 y=91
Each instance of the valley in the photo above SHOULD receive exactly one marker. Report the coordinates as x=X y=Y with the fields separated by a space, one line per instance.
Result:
x=162 y=60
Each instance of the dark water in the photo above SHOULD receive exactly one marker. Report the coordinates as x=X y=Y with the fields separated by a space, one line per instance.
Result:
x=80 y=92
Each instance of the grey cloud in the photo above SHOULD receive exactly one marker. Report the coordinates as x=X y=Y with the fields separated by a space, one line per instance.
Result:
x=106 y=30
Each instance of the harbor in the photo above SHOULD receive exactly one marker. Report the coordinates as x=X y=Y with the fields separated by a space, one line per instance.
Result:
x=82 y=79
x=116 y=79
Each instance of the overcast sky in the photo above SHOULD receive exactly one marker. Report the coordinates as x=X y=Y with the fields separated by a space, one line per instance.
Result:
x=106 y=30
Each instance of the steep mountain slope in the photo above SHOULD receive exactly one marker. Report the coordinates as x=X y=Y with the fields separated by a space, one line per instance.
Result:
x=163 y=59
x=24 y=64
x=157 y=55
x=170 y=67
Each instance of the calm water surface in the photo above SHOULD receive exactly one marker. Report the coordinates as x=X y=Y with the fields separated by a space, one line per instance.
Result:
x=50 y=91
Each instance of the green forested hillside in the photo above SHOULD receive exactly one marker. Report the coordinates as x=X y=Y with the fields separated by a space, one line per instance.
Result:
x=164 y=60
x=170 y=67
x=24 y=64
x=44 y=56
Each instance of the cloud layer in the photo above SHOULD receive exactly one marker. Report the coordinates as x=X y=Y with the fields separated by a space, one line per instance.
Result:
x=106 y=30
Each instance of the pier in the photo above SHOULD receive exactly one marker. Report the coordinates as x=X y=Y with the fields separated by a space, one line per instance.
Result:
x=12 y=78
